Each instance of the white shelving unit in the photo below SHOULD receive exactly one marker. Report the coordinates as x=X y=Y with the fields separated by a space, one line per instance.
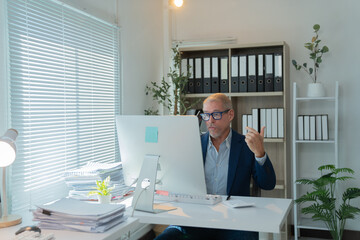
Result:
x=300 y=107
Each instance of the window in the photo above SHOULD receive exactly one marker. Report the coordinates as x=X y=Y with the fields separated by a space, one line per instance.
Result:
x=64 y=95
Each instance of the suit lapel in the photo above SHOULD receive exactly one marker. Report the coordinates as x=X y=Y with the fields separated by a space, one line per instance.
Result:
x=235 y=152
x=204 y=144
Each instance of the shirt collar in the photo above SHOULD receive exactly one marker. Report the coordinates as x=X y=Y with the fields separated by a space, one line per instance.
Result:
x=227 y=140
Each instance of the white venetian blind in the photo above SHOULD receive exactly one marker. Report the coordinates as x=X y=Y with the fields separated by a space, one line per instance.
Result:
x=64 y=90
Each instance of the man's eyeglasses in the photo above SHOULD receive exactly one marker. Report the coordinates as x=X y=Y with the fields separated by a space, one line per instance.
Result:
x=215 y=115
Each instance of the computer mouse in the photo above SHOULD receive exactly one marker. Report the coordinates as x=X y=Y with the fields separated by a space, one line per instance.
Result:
x=28 y=228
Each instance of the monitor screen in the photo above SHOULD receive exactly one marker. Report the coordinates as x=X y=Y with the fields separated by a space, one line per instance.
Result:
x=176 y=139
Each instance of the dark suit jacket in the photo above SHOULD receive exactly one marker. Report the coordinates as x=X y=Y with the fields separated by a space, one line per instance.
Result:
x=242 y=165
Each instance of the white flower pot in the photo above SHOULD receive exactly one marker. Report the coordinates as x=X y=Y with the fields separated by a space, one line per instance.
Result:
x=315 y=90
x=104 y=199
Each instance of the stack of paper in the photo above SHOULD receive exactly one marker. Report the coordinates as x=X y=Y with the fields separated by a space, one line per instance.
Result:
x=82 y=180
x=71 y=214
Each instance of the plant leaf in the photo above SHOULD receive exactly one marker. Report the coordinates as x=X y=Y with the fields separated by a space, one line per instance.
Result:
x=316 y=27
x=343 y=170
x=309 y=46
x=305 y=181
x=324 y=49
x=326 y=167
x=351 y=193
x=311 y=70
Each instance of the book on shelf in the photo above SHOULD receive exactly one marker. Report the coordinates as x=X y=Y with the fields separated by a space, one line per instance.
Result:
x=207 y=75
x=300 y=124
x=243 y=81
x=224 y=76
x=252 y=84
x=234 y=73
x=324 y=127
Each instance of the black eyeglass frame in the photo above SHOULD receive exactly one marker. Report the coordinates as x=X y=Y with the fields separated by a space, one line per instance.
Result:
x=208 y=115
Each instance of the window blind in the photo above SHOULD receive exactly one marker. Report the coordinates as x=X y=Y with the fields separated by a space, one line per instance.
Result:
x=64 y=95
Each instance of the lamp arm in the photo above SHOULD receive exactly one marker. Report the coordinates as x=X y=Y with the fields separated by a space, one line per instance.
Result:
x=3 y=195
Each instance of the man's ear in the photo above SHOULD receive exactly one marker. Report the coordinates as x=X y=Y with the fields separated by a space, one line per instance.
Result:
x=231 y=114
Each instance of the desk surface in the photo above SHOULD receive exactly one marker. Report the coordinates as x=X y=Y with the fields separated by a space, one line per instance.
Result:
x=268 y=215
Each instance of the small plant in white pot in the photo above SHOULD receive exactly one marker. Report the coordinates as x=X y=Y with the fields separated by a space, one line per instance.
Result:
x=102 y=190
x=315 y=89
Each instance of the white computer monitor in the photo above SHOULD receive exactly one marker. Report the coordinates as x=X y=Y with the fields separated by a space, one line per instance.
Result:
x=176 y=139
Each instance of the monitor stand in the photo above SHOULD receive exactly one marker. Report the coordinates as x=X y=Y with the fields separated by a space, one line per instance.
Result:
x=144 y=193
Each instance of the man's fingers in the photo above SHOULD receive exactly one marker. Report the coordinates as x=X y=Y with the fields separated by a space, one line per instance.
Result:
x=251 y=129
x=262 y=131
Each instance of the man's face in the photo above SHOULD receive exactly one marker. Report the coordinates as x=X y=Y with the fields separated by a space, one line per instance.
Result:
x=218 y=128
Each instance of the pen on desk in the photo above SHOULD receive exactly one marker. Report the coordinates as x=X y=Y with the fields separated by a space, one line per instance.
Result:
x=228 y=197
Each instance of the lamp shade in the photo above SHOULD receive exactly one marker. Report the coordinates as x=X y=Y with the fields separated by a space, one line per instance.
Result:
x=178 y=3
x=8 y=148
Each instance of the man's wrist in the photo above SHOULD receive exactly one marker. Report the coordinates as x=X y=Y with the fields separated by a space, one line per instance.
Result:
x=261 y=155
x=261 y=160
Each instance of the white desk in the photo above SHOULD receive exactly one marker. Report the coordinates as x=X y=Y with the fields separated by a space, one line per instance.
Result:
x=132 y=224
x=268 y=215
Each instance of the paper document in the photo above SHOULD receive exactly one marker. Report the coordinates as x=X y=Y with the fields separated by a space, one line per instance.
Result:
x=70 y=214
x=236 y=203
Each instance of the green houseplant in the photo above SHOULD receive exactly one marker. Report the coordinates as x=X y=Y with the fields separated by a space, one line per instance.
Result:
x=324 y=206
x=171 y=95
x=102 y=190
x=315 y=89
x=316 y=53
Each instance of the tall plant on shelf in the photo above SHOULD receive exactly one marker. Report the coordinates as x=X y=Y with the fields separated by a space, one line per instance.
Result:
x=171 y=95
x=316 y=54
x=324 y=205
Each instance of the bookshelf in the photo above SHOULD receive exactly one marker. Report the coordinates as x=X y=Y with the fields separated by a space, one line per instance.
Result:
x=243 y=102
x=308 y=155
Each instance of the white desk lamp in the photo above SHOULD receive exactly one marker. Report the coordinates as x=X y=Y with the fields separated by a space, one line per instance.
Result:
x=7 y=157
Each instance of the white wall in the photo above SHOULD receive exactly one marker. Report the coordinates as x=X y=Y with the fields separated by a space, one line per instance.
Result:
x=142 y=50
x=3 y=72
x=291 y=21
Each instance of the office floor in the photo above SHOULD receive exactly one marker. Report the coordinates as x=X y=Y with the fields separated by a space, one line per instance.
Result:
x=262 y=237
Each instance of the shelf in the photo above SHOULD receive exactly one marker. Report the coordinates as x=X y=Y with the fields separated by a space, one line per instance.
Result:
x=306 y=104
x=315 y=141
x=280 y=185
x=315 y=98
x=308 y=223
x=234 y=46
x=242 y=94
x=273 y=140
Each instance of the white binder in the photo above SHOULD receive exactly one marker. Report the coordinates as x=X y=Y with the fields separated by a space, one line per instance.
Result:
x=274 y=123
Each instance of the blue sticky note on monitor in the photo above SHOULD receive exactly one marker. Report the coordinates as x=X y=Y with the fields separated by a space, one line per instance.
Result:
x=151 y=134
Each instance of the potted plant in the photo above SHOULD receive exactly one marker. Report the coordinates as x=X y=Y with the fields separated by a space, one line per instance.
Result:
x=102 y=190
x=324 y=206
x=315 y=89
x=171 y=95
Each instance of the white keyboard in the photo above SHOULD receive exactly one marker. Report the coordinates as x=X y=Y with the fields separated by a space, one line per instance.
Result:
x=32 y=235
x=188 y=198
